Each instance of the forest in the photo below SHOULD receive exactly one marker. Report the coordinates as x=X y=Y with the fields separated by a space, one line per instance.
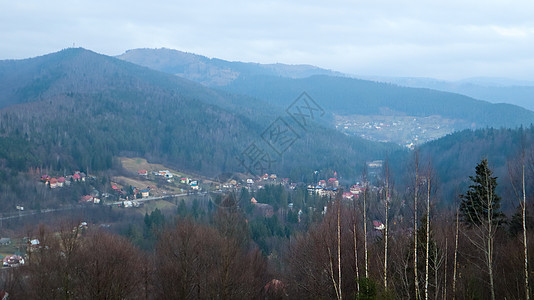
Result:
x=383 y=244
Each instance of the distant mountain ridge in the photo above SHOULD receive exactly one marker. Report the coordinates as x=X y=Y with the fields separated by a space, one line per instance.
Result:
x=213 y=71
x=338 y=93
x=495 y=90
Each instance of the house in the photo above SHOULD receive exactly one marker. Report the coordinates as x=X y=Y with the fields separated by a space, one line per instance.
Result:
x=333 y=182
x=61 y=181
x=145 y=193
x=375 y=164
x=142 y=173
x=33 y=245
x=86 y=199
x=253 y=200
x=378 y=225
x=250 y=181
x=5 y=241
x=53 y=183
x=13 y=261
x=165 y=173
x=348 y=196
x=76 y=177
x=356 y=189
x=322 y=183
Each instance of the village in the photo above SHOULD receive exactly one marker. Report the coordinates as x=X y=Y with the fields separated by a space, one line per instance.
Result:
x=156 y=184
x=408 y=131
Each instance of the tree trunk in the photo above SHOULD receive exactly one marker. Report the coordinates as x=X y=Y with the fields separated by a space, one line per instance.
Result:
x=339 y=248
x=524 y=210
x=416 y=191
x=446 y=268
x=386 y=231
x=356 y=257
x=365 y=229
x=427 y=235
x=455 y=254
x=489 y=242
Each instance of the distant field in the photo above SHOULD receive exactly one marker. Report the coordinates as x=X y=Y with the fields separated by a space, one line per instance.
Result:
x=162 y=205
x=135 y=164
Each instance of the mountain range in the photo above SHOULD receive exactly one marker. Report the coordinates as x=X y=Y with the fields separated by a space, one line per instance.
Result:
x=337 y=93
x=79 y=110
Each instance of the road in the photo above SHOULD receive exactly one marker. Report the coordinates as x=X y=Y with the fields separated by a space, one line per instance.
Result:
x=27 y=213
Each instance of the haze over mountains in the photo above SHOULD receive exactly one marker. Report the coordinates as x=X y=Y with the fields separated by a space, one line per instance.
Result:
x=495 y=90
x=217 y=72
x=374 y=110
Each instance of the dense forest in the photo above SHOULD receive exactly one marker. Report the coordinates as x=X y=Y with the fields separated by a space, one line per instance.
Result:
x=76 y=110
x=319 y=247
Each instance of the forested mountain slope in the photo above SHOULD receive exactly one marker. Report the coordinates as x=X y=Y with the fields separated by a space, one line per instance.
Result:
x=76 y=109
x=278 y=84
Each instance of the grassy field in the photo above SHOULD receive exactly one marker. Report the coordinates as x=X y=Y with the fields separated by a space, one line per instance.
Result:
x=135 y=164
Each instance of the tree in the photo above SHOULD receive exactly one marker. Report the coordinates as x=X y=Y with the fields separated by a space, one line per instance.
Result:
x=480 y=202
x=480 y=209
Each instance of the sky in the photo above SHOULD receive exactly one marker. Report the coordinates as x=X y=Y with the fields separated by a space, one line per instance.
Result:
x=447 y=40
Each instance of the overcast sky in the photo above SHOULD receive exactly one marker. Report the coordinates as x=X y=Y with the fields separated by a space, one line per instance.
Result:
x=441 y=39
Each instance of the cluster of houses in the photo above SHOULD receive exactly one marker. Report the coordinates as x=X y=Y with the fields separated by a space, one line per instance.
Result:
x=330 y=188
x=169 y=177
x=257 y=183
x=13 y=261
x=62 y=181
x=165 y=174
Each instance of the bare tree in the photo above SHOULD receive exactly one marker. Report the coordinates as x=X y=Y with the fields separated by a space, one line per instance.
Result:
x=111 y=268
x=416 y=194
x=338 y=200
x=455 y=253
x=521 y=196
x=355 y=239
x=386 y=207
x=364 y=191
x=428 y=182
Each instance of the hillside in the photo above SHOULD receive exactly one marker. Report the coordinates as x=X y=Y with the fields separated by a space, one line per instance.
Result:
x=373 y=110
x=454 y=156
x=495 y=90
x=346 y=96
x=76 y=109
x=213 y=71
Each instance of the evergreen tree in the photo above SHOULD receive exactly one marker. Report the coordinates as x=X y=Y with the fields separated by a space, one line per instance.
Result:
x=481 y=198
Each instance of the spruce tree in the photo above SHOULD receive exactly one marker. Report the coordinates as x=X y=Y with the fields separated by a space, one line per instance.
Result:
x=481 y=198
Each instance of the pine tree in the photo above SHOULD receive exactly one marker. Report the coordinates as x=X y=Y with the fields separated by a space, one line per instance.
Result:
x=481 y=198
x=480 y=208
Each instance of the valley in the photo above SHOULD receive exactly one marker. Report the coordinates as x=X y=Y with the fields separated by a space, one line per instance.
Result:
x=408 y=131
